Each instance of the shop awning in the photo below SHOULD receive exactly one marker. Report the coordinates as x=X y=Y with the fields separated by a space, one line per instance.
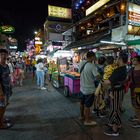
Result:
x=52 y=52
x=90 y=40
x=133 y=42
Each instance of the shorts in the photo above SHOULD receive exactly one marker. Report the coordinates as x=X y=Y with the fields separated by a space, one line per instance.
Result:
x=87 y=100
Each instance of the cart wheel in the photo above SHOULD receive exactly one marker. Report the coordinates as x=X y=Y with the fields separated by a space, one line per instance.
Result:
x=66 y=91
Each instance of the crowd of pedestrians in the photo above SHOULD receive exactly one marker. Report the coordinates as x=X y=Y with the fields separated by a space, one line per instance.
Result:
x=12 y=73
x=103 y=84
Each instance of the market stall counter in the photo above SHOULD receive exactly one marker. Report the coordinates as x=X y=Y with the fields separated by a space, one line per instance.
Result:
x=58 y=79
x=71 y=83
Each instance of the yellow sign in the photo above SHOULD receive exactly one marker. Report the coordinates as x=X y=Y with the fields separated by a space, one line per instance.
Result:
x=60 y=12
x=96 y=6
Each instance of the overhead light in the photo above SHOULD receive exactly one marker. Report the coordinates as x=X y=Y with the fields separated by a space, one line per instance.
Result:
x=79 y=48
x=107 y=48
x=96 y=6
x=36 y=32
x=113 y=43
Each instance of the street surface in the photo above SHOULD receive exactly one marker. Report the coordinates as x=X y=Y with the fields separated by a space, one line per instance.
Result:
x=48 y=115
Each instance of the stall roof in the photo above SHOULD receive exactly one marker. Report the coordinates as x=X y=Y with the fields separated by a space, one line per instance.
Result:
x=52 y=52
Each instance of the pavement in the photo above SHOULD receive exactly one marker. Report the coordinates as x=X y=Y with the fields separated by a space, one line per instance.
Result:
x=48 y=115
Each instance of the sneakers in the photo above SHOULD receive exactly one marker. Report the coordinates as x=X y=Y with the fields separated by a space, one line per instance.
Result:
x=43 y=88
x=94 y=111
x=20 y=83
x=110 y=132
x=136 y=124
x=133 y=118
x=91 y=123
x=102 y=115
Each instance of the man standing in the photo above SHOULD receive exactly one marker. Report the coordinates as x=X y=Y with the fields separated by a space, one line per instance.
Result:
x=5 y=87
x=88 y=74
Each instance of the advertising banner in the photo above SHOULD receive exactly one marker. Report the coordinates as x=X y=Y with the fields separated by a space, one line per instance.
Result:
x=59 y=12
x=134 y=19
x=134 y=14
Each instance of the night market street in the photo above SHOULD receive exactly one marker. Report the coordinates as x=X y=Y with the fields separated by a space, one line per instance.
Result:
x=48 y=115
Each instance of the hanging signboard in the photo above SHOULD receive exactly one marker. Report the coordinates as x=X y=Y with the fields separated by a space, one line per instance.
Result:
x=59 y=12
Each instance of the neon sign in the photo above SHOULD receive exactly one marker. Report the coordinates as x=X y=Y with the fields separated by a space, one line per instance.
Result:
x=7 y=29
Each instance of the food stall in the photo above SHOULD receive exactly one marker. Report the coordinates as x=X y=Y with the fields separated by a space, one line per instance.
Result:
x=61 y=58
x=65 y=76
x=58 y=74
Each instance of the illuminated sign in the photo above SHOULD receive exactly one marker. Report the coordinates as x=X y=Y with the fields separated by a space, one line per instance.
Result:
x=7 y=29
x=59 y=12
x=134 y=30
x=134 y=14
x=96 y=6
x=13 y=47
x=38 y=42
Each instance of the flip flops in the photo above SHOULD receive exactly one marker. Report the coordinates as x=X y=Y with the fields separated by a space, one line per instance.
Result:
x=6 y=126
x=6 y=120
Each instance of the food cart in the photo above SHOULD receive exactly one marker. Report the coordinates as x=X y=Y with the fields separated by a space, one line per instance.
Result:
x=71 y=83
x=58 y=74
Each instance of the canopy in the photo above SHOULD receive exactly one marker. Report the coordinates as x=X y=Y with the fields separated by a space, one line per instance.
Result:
x=133 y=42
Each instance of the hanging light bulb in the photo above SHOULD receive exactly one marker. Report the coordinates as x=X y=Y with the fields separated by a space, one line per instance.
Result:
x=82 y=8
x=88 y=2
x=80 y=1
x=77 y=5
x=123 y=8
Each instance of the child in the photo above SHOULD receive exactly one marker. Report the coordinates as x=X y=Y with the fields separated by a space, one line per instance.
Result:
x=101 y=92
x=108 y=70
x=111 y=66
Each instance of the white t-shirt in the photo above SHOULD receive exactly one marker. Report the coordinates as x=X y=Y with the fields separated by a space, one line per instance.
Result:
x=87 y=78
x=10 y=68
x=39 y=67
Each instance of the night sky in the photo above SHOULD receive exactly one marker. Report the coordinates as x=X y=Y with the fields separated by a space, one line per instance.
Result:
x=27 y=15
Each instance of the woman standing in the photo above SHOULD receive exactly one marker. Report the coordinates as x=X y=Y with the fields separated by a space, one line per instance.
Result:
x=116 y=93
x=135 y=90
x=20 y=67
x=40 y=74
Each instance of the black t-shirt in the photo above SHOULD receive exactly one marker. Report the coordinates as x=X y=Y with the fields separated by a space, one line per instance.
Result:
x=5 y=79
x=118 y=76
